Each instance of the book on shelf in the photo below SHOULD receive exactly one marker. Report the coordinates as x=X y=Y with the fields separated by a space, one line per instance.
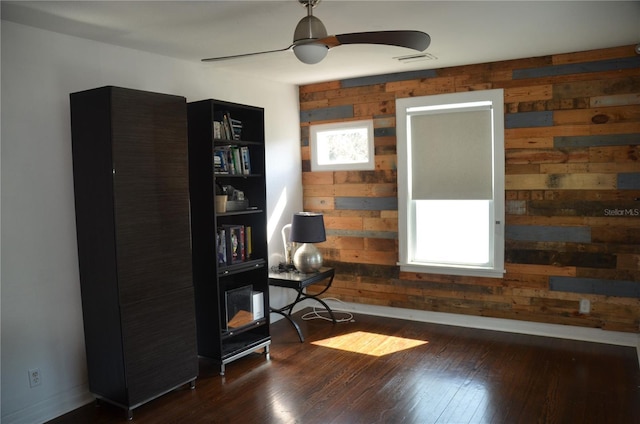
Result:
x=217 y=129
x=227 y=128
x=222 y=160
x=220 y=165
x=236 y=128
x=232 y=160
x=234 y=244
x=248 y=248
x=221 y=246
x=246 y=160
x=234 y=238
x=237 y=161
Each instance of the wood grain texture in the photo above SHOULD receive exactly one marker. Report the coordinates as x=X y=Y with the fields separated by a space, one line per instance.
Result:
x=132 y=209
x=455 y=375
x=572 y=180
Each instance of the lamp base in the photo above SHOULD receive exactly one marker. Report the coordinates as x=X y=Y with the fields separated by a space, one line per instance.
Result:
x=307 y=258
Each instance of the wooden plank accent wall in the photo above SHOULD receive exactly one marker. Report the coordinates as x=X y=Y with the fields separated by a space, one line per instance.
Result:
x=572 y=136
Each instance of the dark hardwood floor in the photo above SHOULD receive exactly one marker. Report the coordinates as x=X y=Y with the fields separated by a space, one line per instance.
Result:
x=458 y=376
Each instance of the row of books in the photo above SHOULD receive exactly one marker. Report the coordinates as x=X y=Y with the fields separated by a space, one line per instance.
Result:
x=227 y=128
x=233 y=244
x=234 y=160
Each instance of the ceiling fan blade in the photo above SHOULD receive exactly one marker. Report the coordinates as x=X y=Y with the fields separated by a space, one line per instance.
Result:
x=416 y=40
x=235 y=56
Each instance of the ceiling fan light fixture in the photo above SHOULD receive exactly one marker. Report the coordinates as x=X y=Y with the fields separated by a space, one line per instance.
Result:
x=308 y=30
x=310 y=53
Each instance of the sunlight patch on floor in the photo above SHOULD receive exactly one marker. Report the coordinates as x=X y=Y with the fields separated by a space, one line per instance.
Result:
x=369 y=343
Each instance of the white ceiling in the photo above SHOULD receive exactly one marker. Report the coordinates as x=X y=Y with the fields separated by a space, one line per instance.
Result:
x=462 y=32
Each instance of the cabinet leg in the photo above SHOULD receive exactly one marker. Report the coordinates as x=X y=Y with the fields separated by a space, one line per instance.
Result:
x=266 y=353
x=222 y=368
x=129 y=414
x=192 y=384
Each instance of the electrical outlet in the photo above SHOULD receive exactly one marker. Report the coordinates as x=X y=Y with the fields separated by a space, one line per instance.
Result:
x=35 y=378
x=585 y=306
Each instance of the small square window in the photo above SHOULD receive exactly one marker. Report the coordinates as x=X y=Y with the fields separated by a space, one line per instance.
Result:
x=342 y=146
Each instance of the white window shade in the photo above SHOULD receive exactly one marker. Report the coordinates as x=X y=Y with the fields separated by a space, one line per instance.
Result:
x=451 y=155
x=451 y=183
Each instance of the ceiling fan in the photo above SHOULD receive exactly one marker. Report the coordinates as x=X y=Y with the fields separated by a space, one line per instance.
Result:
x=311 y=42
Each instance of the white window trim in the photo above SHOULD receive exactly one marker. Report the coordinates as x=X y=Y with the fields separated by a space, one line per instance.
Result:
x=406 y=218
x=361 y=166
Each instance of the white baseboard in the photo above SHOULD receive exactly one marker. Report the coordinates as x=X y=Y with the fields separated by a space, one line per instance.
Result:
x=50 y=408
x=568 y=332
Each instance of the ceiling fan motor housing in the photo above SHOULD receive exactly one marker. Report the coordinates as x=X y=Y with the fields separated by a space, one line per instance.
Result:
x=309 y=28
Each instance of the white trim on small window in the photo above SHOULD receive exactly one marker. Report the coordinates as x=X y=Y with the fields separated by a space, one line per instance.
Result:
x=342 y=146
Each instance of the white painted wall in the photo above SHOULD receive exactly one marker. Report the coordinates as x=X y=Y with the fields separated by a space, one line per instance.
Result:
x=40 y=290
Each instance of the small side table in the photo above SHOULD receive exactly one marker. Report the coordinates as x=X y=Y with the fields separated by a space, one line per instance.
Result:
x=298 y=282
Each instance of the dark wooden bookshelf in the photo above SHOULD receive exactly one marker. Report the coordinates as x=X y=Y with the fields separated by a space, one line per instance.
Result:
x=212 y=280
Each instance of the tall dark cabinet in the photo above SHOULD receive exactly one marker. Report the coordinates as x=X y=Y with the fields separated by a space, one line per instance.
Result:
x=226 y=152
x=130 y=171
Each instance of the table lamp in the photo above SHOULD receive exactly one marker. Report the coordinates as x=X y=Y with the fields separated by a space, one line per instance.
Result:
x=307 y=228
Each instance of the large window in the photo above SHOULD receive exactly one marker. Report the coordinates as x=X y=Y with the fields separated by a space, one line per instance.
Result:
x=451 y=183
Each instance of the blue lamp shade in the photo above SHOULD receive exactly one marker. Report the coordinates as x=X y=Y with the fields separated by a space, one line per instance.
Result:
x=307 y=228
